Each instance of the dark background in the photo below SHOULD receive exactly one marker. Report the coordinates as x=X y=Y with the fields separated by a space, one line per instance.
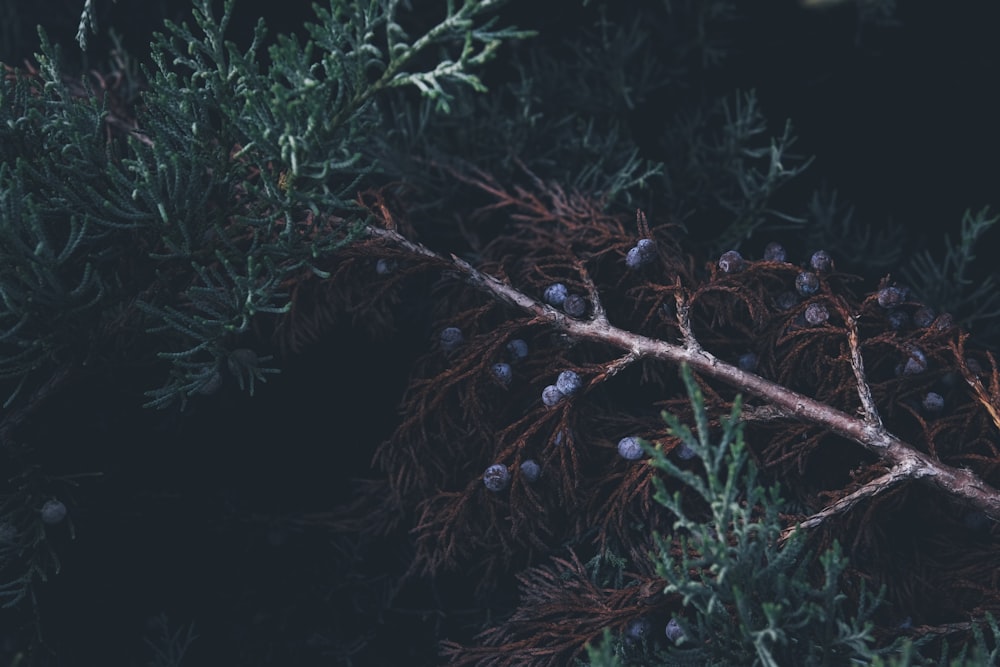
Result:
x=902 y=119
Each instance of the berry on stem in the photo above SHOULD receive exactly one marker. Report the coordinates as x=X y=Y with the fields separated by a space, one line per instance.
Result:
x=568 y=383
x=496 y=477
x=451 y=338
x=731 y=262
x=531 y=470
x=775 y=252
x=502 y=373
x=933 y=402
x=53 y=512
x=816 y=314
x=629 y=448
x=517 y=349
x=575 y=305
x=821 y=261
x=555 y=294
x=806 y=283
x=890 y=296
x=551 y=395
x=916 y=362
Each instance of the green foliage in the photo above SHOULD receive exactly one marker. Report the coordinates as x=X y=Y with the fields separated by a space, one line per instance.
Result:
x=725 y=165
x=169 y=647
x=242 y=172
x=833 y=227
x=948 y=283
x=26 y=552
x=747 y=599
x=751 y=600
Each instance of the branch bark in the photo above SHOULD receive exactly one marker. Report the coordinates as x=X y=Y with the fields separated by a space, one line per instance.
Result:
x=904 y=461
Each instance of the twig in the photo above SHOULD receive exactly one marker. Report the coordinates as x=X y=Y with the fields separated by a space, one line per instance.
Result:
x=901 y=458
x=896 y=475
x=858 y=366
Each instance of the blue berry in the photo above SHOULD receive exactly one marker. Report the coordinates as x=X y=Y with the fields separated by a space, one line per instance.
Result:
x=924 y=316
x=916 y=362
x=560 y=439
x=747 y=362
x=496 y=477
x=630 y=449
x=502 y=373
x=575 y=305
x=775 y=252
x=53 y=512
x=674 y=631
x=806 y=283
x=531 y=470
x=890 y=296
x=451 y=338
x=555 y=294
x=517 y=349
x=551 y=395
x=647 y=248
x=786 y=300
x=821 y=261
x=933 y=402
x=384 y=267
x=731 y=262
x=637 y=629
x=634 y=259
x=685 y=453
x=569 y=383
x=816 y=314
x=898 y=320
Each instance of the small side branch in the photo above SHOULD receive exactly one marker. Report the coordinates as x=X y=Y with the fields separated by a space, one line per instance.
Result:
x=900 y=473
x=858 y=366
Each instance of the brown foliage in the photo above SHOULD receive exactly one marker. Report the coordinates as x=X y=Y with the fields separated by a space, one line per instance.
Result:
x=833 y=412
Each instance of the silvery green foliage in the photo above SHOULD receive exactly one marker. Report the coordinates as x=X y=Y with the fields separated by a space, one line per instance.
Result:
x=220 y=126
x=732 y=174
x=947 y=283
x=26 y=555
x=754 y=602
x=169 y=647
x=832 y=225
